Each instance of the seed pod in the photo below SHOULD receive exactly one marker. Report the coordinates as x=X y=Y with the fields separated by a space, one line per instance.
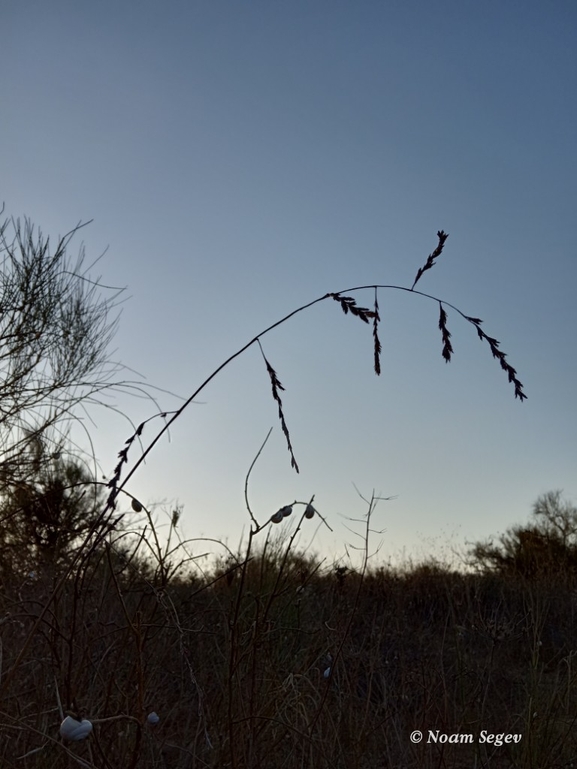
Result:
x=310 y=511
x=286 y=511
x=136 y=506
x=74 y=730
x=277 y=517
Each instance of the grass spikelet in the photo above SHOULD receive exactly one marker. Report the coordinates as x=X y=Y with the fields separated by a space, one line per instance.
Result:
x=500 y=356
x=123 y=457
x=442 y=235
x=377 y=342
x=447 y=346
x=348 y=304
x=276 y=386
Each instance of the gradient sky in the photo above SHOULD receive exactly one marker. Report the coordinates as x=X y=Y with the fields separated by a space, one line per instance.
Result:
x=240 y=159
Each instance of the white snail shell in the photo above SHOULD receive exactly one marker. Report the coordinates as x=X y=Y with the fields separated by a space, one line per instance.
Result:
x=153 y=718
x=73 y=730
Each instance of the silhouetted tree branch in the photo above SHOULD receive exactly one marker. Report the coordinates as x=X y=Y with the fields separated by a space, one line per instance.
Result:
x=56 y=324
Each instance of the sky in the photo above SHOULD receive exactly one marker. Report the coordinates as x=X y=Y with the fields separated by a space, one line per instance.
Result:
x=241 y=159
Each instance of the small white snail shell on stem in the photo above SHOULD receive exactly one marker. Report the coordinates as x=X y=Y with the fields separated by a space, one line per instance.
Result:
x=74 y=730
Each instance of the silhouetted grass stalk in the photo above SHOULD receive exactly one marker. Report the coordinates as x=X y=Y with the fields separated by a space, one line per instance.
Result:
x=348 y=305
x=265 y=687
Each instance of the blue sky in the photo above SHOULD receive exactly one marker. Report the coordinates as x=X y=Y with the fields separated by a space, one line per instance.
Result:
x=240 y=159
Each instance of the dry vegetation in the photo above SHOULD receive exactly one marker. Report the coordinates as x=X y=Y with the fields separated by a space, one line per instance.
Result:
x=271 y=659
